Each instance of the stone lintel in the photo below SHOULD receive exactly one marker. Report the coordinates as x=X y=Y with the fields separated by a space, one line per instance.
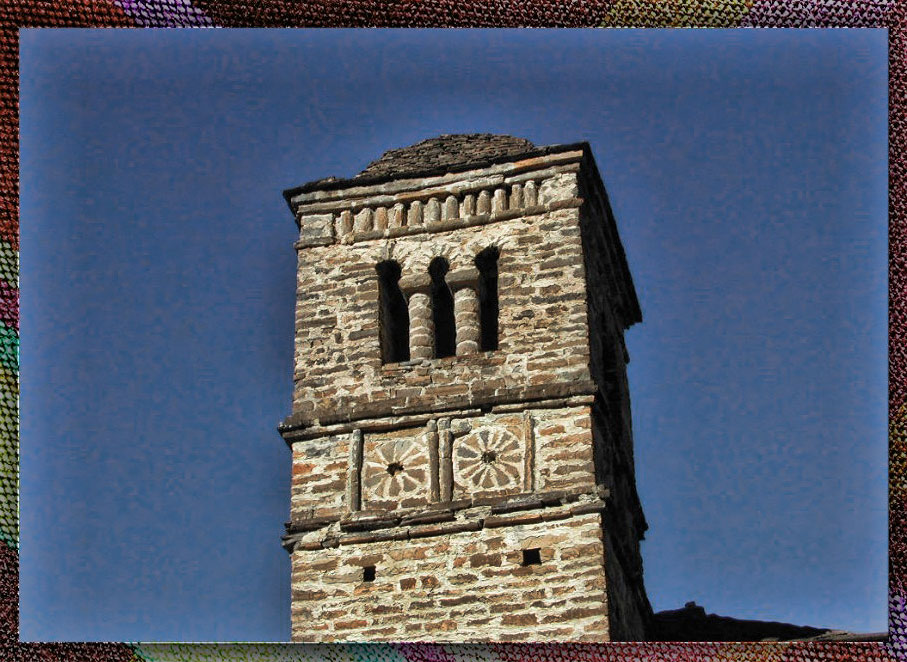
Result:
x=412 y=283
x=444 y=529
x=372 y=536
x=309 y=524
x=428 y=518
x=444 y=513
x=302 y=433
x=467 y=277
x=292 y=543
x=368 y=522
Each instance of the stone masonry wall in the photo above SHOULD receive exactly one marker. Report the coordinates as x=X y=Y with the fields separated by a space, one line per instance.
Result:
x=484 y=496
x=629 y=615
x=543 y=334
x=468 y=586
x=539 y=450
x=612 y=308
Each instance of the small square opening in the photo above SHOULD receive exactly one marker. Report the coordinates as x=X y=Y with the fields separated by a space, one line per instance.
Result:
x=368 y=573
x=532 y=556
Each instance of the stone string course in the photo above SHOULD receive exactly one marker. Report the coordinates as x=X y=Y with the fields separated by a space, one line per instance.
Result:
x=436 y=475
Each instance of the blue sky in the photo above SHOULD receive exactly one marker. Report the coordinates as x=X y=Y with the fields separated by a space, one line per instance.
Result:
x=747 y=172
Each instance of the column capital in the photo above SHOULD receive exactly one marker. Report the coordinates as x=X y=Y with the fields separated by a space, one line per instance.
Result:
x=468 y=277
x=415 y=283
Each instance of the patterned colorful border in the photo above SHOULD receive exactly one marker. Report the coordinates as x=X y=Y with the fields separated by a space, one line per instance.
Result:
x=452 y=13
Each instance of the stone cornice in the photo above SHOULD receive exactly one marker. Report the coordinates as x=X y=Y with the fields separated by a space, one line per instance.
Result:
x=296 y=426
x=328 y=189
x=384 y=423
x=445 y=225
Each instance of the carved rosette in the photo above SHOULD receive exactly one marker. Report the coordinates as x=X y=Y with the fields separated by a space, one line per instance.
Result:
x=395 y=470
x=488 y=459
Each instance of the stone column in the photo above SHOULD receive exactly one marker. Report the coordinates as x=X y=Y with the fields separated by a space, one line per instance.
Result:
x=466 y=314
x=363 y=221
x=346 y=222
x=469 y=205
x=381 y=218
x=421 y=324
x=464 y=285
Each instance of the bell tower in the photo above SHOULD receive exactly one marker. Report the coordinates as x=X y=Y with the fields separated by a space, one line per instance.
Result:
x=461 y=436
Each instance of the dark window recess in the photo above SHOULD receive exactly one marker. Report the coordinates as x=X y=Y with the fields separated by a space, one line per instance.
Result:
x=368 y=573
x=393 y=314
x=487 y=264
x=442 y=309
x=532 y=556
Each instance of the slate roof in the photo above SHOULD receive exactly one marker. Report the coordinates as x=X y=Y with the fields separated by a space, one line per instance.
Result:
x=444 y=151
x=437 y=156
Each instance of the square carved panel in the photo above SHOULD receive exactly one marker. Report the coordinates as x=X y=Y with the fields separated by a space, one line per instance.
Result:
x=490 y=458
x=395 y=469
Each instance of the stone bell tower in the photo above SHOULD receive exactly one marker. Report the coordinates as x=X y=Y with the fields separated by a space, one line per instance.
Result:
x=461 y=436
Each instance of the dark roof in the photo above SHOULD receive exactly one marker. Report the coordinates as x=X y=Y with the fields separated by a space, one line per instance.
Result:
x=437 y=156
x=692 y=624
x=446 y=150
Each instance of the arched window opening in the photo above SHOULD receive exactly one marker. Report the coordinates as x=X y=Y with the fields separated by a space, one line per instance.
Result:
x=487 y=264
x=442 y=309
x=393 y=314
